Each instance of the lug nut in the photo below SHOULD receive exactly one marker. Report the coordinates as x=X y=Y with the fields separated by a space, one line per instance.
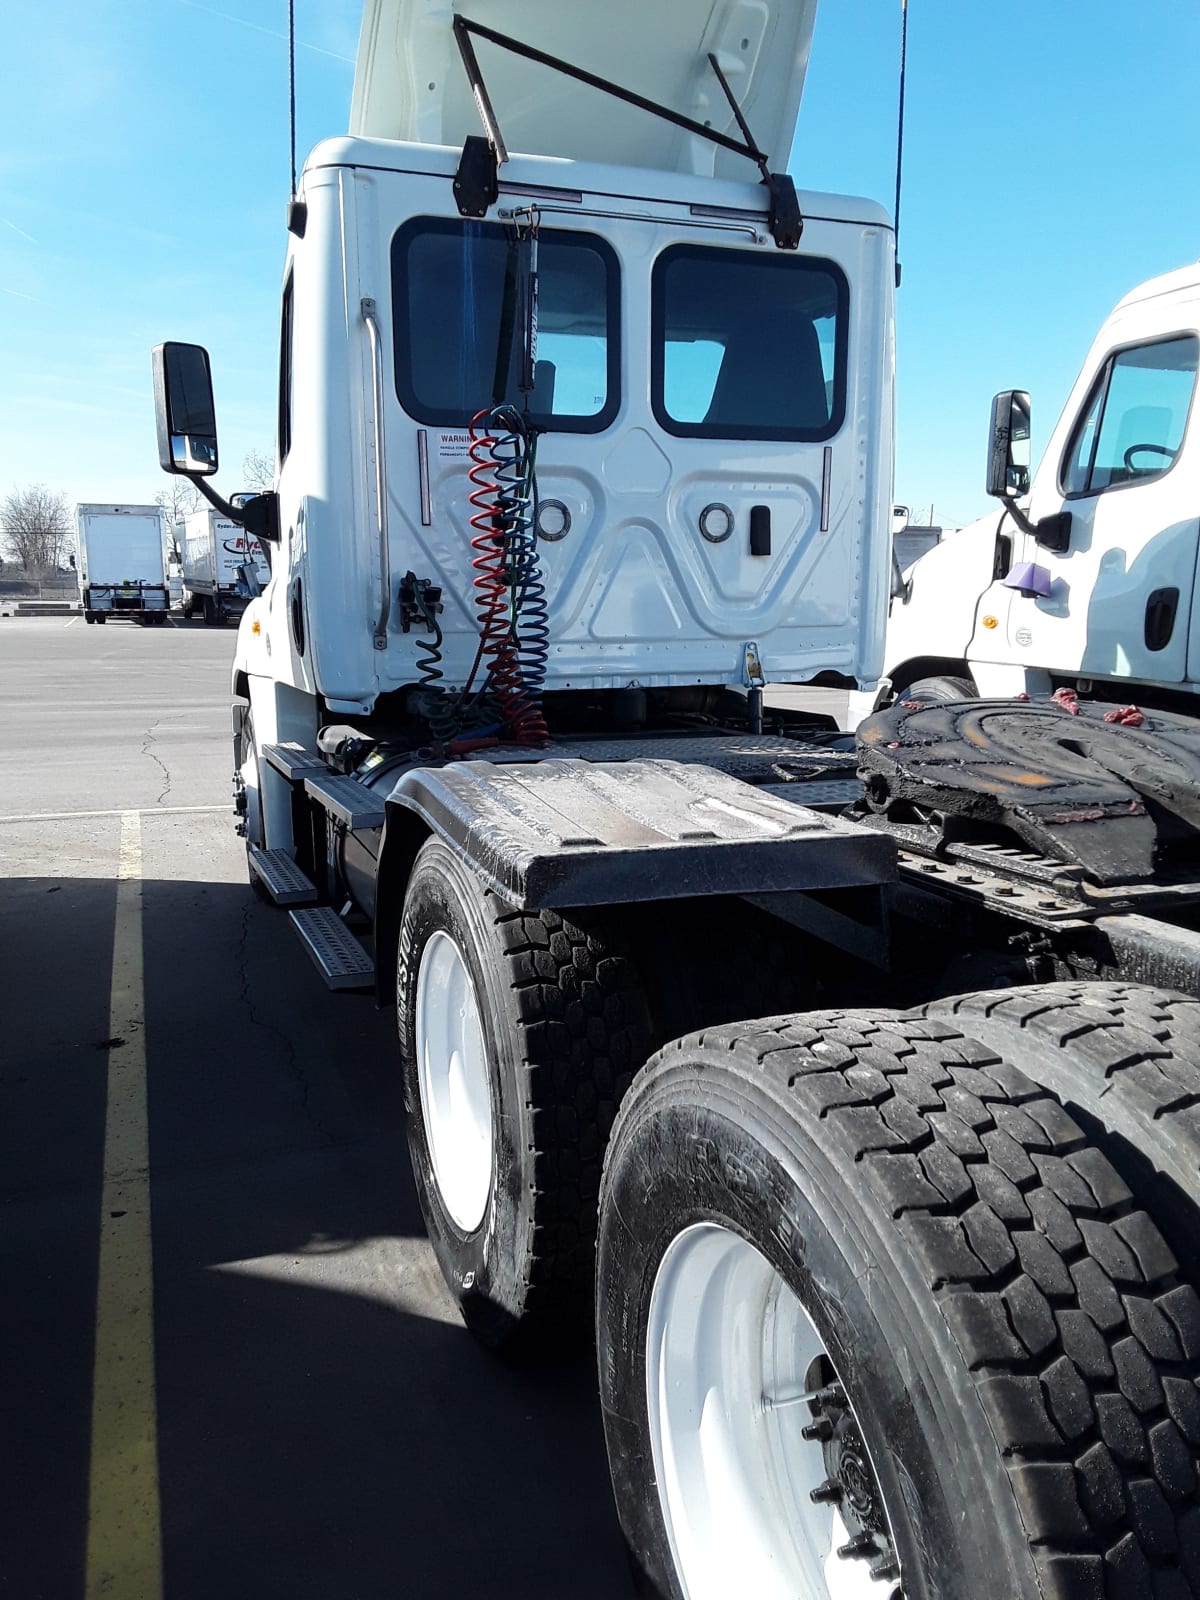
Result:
x=821 y=1430
x=828 y=1492
x=885 y=1567
x=860 y=1545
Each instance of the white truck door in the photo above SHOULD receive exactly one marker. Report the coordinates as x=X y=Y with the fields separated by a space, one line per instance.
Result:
x=1121 y=592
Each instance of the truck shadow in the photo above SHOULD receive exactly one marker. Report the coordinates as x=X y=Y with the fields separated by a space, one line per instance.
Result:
x=327 y=1428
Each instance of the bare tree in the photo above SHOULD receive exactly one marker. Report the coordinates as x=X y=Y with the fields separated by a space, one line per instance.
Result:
x=36 y=526
x=258 y=470
x=175 y=501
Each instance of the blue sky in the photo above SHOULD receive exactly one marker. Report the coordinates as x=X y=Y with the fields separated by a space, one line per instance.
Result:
x=1052 y=162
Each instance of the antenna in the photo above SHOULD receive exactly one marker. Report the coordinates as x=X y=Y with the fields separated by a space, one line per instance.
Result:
x=297 y=212
x=900 y=126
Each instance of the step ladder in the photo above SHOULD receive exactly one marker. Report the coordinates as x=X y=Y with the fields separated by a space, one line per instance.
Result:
x=339 y=957
x=283 y=880
x=347 y=800
x=295 y=761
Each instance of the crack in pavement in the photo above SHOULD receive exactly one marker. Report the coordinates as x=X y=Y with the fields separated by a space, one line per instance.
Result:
x=147 y=740
x=292 y=1060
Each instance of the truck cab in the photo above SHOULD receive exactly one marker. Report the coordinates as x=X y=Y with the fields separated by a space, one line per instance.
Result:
x=712 y=412
x=1088 y=576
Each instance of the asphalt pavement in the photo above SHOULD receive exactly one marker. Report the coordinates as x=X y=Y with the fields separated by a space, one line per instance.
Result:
x=321 y=1424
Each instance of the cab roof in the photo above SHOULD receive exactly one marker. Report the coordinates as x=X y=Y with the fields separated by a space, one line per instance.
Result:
x=409 y=81
x=1184 y=281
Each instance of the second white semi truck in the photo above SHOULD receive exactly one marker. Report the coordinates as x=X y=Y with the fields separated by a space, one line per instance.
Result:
x=1087 y=579
x=121 y=563
x=894 y=1281
x=223 y=567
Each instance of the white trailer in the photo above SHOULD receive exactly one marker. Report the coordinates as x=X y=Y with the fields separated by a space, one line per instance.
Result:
x=1087 y=578
x=223 y=566
x=578 y=447
x=121 y=563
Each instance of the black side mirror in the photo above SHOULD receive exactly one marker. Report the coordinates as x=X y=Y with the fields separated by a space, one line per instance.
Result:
x=1008 y=468
x=184 y=409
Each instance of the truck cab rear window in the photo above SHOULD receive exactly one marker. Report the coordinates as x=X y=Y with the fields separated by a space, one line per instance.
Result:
x=459 y=293
x=748 y=346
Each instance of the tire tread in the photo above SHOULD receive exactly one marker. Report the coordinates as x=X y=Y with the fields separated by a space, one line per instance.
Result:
x=1065 y=1303
x=585 y=1033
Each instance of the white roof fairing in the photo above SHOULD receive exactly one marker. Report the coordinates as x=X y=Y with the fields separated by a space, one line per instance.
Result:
x=410 y=84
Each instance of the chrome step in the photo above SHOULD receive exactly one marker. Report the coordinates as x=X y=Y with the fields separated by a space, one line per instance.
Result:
x=347 y=800
x=293 y=760
x=341 y=959
x=279 y=875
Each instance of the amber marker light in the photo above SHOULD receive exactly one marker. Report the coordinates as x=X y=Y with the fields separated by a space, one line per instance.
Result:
x=988 y=622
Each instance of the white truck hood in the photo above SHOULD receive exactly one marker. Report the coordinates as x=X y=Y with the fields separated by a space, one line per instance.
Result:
x=409 y=82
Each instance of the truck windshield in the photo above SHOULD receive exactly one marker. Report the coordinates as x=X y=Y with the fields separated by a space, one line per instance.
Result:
x=456 y=300
x=748 y=346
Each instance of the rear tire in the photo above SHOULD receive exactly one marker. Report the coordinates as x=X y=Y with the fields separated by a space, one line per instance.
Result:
x=564 y=1026
x=89 y=617
x=939 y=690
x=211 y=617
x=1125 y=1061
x=101 y=618
x=1010 y=1329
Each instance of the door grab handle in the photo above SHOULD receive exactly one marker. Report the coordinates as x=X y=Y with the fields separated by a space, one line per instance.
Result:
x=368 y=309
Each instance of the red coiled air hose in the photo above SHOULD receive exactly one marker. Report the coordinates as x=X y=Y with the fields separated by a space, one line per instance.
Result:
x=498 y=644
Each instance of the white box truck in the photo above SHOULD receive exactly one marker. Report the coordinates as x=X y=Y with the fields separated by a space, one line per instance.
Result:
x=122 y=568
x=214 y=552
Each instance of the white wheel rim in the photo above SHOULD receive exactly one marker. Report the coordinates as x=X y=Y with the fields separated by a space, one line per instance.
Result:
x=726 y=1338
x=455 y=1088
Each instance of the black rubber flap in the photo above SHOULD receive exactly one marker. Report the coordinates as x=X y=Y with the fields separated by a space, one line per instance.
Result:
x=580 y=833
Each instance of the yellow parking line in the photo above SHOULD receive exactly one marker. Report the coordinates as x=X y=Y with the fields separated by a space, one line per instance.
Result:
x=124 y=1559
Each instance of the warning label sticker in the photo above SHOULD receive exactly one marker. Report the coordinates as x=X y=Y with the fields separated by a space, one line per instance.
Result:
x=454 y=446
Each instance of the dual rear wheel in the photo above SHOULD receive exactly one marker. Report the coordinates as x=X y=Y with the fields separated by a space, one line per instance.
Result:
x=876 y=1312
x=875 y=1317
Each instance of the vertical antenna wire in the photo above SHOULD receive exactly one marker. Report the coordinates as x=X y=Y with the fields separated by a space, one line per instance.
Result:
x=900 y=126
x=292 y=87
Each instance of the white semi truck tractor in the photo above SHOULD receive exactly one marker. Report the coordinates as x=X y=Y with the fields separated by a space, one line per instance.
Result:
x=1086 y=579
x=853 y=1081
x=121 y=563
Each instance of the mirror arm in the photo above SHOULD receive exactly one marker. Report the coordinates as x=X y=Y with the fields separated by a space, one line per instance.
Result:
x=259 y=516
x=1019 y=517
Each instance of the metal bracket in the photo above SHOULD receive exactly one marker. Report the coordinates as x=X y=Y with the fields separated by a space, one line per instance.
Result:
x=420 y=600
x=783 y=214
x=477 y=181
x=752 y=670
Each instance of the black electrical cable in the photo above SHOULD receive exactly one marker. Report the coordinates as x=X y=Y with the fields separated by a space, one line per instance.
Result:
x=900 y=126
